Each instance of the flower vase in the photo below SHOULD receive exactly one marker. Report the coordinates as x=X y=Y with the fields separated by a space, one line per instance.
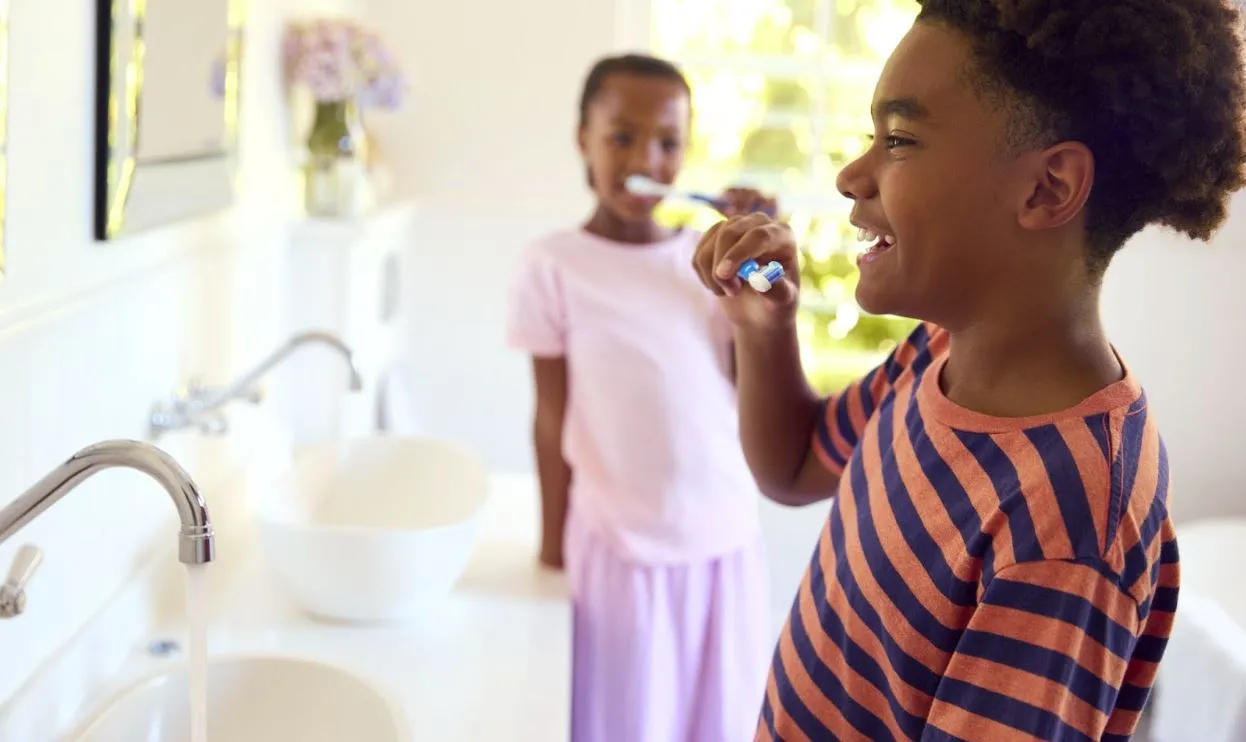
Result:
x=335 y=178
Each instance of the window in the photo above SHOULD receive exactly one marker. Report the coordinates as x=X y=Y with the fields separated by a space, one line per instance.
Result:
x=781 y=93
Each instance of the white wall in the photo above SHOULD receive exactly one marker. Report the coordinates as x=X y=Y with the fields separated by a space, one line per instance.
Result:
x=1175 y=309
x=488 y=146
x=91 y=334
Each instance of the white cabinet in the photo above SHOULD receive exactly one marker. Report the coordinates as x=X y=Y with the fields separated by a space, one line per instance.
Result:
x=344 y=276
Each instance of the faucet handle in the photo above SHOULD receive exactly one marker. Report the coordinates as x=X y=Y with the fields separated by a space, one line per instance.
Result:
x=212 y=423
x=13 y=592
x=255 y=395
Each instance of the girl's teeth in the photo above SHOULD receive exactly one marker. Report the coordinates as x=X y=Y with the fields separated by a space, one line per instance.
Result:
x=865 y=235
x=888 y=240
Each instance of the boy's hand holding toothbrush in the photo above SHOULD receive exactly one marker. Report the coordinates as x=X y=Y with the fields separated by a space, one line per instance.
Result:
x=735 y=242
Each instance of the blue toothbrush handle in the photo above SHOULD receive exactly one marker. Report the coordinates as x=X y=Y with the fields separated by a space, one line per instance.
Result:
x=762 y=278
x=718 y=203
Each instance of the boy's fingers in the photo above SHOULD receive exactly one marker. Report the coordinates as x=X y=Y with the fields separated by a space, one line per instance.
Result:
x=763 y=241
x=728 y=253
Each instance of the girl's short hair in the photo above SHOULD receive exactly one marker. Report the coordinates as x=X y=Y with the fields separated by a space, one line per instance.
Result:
x=628 y=64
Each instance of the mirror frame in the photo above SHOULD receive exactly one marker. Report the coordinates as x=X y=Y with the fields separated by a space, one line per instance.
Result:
x=4 y=136
x=119 y=85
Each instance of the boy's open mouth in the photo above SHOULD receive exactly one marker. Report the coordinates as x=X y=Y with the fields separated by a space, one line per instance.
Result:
x=878 y=244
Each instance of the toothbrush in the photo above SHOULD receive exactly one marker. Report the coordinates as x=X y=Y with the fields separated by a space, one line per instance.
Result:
x=642 y=186
x=762 y=279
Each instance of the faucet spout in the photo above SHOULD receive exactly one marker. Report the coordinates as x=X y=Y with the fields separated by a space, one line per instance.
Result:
x=190 y=408
x=244 y=384
x=196 y=544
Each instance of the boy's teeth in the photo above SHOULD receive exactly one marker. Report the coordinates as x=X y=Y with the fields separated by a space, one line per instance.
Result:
x=865 y=235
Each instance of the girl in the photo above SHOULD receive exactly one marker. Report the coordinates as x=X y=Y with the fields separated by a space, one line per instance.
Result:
x=644 y=486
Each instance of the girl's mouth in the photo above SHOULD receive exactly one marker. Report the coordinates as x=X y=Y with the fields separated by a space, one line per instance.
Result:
x=643 y=200
x=878 y=244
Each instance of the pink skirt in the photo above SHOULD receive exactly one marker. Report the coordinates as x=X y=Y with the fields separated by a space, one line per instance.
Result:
x=666 y=653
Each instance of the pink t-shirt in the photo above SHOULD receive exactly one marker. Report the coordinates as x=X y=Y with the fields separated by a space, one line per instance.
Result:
x=651 y=433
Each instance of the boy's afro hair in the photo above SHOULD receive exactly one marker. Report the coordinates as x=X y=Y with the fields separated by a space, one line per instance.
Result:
x=1153 y=87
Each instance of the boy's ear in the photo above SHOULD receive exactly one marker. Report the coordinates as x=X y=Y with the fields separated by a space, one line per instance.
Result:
x=1060 y=177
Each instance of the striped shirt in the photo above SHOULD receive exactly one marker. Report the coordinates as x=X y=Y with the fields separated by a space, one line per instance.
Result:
x=978 y=578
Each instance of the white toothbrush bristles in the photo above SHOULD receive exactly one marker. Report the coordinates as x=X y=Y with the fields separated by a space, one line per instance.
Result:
x=642 y=186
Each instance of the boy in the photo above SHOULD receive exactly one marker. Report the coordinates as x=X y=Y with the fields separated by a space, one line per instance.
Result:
x=999 y=563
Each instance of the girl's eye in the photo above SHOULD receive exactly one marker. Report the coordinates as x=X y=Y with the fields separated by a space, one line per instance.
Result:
x=622 y=140
x=670 y=145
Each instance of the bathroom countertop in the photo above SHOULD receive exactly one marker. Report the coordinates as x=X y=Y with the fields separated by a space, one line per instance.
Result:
x=490 y=661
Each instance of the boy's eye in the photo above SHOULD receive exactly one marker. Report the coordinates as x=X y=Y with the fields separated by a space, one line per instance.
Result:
x=891 y=141
x=622 y=139
x=670 y=145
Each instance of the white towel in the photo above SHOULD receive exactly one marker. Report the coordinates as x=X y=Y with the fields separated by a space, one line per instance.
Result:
x=1201 y=692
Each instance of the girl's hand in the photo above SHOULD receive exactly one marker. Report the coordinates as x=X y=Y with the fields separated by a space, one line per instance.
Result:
x=551 y=556
x=726 y=246
x=743 y=201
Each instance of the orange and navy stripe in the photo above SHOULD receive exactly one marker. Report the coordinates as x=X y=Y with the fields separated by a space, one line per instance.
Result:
x=978 y=578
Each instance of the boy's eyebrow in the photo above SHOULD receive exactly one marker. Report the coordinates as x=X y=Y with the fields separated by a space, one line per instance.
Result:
x=906 y=108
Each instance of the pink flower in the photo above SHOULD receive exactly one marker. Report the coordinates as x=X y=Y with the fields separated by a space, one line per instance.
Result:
x=337 y=59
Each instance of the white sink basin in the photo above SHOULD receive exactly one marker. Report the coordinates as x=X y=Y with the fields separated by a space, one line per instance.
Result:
x=373 y=529
x=252 y=699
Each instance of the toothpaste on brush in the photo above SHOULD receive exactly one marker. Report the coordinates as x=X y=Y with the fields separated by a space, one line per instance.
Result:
x=761 y=279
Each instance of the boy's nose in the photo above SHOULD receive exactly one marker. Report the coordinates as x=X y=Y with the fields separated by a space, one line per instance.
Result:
x=855 y=181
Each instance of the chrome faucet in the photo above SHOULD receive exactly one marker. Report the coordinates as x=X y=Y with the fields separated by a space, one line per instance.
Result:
x=195 y=542
x=199 y=405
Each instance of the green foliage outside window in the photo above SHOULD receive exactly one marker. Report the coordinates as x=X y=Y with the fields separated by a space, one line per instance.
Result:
x=781 y=91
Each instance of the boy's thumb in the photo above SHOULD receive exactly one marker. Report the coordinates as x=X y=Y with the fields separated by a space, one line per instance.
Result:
x=784 y=292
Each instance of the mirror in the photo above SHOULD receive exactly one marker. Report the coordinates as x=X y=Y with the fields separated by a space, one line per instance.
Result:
x=166 y=111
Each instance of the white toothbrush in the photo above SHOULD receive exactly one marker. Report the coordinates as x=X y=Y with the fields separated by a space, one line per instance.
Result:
x=644 y=186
